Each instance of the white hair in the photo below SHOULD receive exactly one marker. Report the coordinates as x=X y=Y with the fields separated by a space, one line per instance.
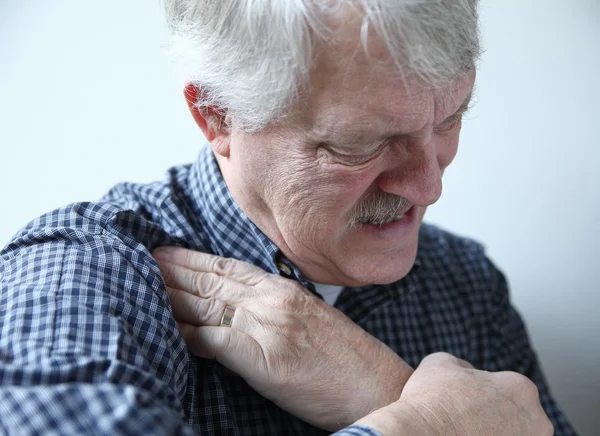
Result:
x=251 y=58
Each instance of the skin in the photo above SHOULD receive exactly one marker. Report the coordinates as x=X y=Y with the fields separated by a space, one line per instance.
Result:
x=366 y=130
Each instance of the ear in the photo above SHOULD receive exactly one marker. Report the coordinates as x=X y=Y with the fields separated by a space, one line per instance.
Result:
x=211 y=121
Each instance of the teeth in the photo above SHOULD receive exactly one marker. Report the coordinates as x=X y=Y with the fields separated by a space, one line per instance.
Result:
x=396 y=218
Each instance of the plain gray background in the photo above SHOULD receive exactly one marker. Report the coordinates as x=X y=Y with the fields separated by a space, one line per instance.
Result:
x=87 y=99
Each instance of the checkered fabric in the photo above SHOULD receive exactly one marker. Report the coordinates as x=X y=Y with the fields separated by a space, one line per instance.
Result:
x=88 y=343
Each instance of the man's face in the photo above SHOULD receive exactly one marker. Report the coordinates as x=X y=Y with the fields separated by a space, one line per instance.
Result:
x=342 y=189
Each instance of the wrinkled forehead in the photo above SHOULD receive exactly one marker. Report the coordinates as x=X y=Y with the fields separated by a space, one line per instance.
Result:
x=367 y=117
x=354 y=93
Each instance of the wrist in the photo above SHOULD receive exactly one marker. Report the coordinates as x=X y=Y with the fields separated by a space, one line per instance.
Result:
x=386 y=384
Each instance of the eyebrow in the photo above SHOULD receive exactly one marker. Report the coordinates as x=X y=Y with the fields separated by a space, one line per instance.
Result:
x=464 y=107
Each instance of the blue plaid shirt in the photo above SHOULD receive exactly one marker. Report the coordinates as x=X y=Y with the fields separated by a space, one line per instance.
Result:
x=88 y=343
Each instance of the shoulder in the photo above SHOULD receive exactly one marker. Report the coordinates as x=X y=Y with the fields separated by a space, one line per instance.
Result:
x=96 y=251
x=151 y=199
x=114 y=236
x=454 y=259
x=85 y=224
x=138 y=215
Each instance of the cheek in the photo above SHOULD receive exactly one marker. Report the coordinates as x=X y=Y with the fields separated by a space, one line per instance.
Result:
x=253 y=169
x=296 y=188
x=323 y=192
x=352 y=185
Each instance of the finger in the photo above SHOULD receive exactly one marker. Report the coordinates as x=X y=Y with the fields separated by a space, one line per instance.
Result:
x=197 y=311
x=209 y=263
x=230 y=347
x=206 y=285
x=194 y=310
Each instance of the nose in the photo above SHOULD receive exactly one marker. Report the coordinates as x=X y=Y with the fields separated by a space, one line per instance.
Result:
x=414 y=173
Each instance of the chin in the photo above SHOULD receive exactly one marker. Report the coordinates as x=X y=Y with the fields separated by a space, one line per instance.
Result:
x=377 y=276
x=378 y=269
x=379 y=255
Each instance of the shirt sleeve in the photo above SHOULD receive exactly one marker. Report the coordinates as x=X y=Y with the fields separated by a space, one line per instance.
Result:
x=506 y=345
x=87 y=341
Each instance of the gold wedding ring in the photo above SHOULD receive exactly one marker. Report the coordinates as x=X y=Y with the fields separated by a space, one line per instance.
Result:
x=227 y=318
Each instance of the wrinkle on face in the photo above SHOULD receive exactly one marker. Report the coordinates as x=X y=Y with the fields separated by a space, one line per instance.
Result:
x=301 y=196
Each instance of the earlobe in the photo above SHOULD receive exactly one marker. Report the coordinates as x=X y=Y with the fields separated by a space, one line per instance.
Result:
x=210 y=120
x=220 y=146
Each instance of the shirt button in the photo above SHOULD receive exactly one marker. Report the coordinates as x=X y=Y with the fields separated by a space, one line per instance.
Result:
x=284 y=269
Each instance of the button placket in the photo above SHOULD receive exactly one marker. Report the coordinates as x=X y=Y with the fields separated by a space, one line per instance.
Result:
x=284 y=269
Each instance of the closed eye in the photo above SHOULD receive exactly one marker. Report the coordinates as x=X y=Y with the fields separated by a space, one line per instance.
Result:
x=450 y=124
x=453 y=121
x=354 y=159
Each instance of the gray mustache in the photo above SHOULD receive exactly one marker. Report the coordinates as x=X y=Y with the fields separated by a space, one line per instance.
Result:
x=379 y=208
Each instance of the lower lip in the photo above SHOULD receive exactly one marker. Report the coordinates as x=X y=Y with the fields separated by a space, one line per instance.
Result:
x=396 y=231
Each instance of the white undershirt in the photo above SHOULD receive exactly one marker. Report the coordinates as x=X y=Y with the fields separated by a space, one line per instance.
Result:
x=328 y=292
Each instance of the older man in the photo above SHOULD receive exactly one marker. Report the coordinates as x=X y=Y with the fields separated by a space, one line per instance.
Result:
x=330 y=125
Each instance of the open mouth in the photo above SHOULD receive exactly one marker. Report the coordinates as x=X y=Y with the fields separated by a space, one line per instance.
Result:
x=388 y=220
x=390 y=230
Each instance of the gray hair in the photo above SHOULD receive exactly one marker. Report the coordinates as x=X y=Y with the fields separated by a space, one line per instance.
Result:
x=251 y=58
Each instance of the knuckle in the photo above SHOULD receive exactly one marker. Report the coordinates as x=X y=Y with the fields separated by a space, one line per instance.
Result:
x=292 y=303
x=207 y=283
x=439 y=358
x=196 y=285
x=525 y=384
x=222 y=265
x=510 y=378
x=519 y=385
x=206 y=309
x=531 y=388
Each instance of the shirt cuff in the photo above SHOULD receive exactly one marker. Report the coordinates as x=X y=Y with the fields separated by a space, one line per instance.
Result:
x=357 y=430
